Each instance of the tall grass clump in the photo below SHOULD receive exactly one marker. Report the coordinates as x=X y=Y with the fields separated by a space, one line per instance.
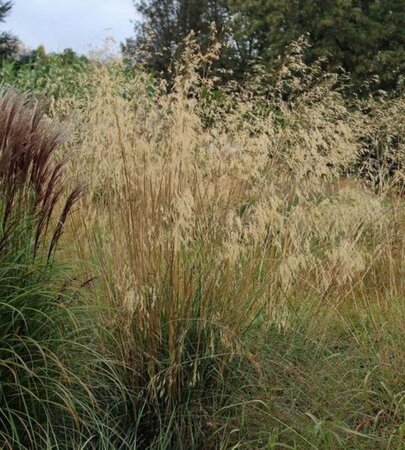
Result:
x=220 y=217
x=45 y=396
x=246 y=256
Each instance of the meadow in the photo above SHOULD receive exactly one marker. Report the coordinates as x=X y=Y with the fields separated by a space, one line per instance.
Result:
x=200 y=265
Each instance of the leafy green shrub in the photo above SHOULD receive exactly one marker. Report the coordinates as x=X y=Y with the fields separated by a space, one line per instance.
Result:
x=51 y=76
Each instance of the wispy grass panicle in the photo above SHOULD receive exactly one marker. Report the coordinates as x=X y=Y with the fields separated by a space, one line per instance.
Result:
x=30 y=175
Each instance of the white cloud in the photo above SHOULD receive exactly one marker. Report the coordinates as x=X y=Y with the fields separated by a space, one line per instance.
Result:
x=78 y=24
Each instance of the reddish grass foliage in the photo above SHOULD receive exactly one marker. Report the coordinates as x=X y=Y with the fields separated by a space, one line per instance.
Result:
x=31 y=182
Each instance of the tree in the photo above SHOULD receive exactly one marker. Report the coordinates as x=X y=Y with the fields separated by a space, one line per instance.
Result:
x=365 y=37
x=166 y=23
x=8 y=42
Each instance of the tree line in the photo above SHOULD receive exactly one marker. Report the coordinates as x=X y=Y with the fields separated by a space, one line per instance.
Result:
x=364 y=37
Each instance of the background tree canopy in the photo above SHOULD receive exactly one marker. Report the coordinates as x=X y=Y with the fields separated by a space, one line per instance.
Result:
x=168 y=22
x=8 y=42
x=365 y=37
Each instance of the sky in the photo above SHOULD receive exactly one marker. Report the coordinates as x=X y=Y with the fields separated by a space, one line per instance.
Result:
x=79 y=24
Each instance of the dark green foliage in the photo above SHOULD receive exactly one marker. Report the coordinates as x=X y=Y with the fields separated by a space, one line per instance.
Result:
x=167 y=23
x=8 y=42
x=365 y=37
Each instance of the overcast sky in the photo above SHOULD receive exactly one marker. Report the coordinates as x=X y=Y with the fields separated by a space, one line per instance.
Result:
x=79 y=24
